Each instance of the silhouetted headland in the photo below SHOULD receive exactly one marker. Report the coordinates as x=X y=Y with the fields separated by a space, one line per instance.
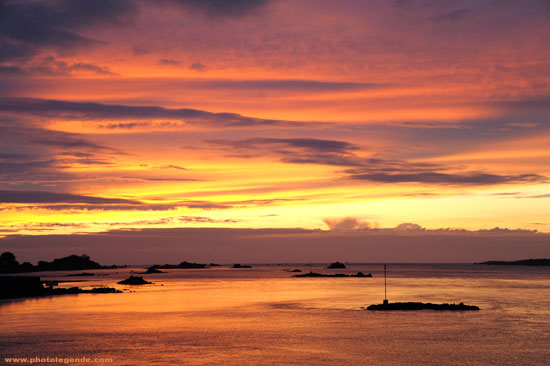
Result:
x=313 y=274
x=523 y=262
x=182 y=265
x=238 y=265
x=12 y=287
x=421 y=306
x=337 y=265
x=134 y=280
x=8 y=264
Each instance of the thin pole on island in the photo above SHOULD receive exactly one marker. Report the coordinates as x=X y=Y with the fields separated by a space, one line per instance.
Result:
x=385 y=287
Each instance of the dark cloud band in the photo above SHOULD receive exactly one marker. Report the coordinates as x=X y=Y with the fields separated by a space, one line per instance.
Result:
x=15 y=196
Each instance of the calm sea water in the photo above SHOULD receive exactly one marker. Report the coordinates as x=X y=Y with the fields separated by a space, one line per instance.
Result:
x=263 y=316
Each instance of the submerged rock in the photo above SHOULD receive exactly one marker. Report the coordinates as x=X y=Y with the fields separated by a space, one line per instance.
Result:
x=134 y=280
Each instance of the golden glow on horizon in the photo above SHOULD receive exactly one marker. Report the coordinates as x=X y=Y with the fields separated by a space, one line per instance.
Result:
x=280 y=118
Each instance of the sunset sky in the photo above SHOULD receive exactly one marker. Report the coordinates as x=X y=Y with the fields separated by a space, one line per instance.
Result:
x=274 y=114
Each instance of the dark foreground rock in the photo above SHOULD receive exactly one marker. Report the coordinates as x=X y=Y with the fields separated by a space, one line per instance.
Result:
x=238 y=265
x=523 y=262
x=337 y=265
x=12 y=287
x=134 y=280
x=421 y=306
x=314 y=274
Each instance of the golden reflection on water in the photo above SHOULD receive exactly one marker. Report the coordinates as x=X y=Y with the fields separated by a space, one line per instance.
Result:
x=264 y=317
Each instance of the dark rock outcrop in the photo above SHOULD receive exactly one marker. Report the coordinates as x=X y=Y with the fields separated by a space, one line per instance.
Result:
x=8 y=264
x=361 y=274
x=314 y=274
x=337 y=265
x=151 y=270
x=422 y=306
x=70 y=263
x=238 y=265
x=12 y=287
x=134 y=280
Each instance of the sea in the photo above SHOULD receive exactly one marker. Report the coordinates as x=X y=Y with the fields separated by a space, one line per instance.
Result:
x=265 y=316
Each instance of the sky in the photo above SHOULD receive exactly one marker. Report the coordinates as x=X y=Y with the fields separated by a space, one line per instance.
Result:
x=350 y=120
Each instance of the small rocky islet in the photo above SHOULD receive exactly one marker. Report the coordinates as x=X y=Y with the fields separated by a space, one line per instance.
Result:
x=336 y=265
x=421 y=306
x=314 y=274
x=134 y=280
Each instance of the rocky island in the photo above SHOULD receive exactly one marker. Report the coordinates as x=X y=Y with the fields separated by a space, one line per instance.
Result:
x=9 y=264
x=134 y=280
x=336 y=265
x=421 y=306
x=313 y=274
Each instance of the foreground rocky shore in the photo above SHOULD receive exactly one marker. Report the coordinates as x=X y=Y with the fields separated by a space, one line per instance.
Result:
x=13 y=287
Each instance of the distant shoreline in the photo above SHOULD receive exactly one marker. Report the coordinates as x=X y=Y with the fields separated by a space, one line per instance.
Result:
x=522 y=262
x=9 y=264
